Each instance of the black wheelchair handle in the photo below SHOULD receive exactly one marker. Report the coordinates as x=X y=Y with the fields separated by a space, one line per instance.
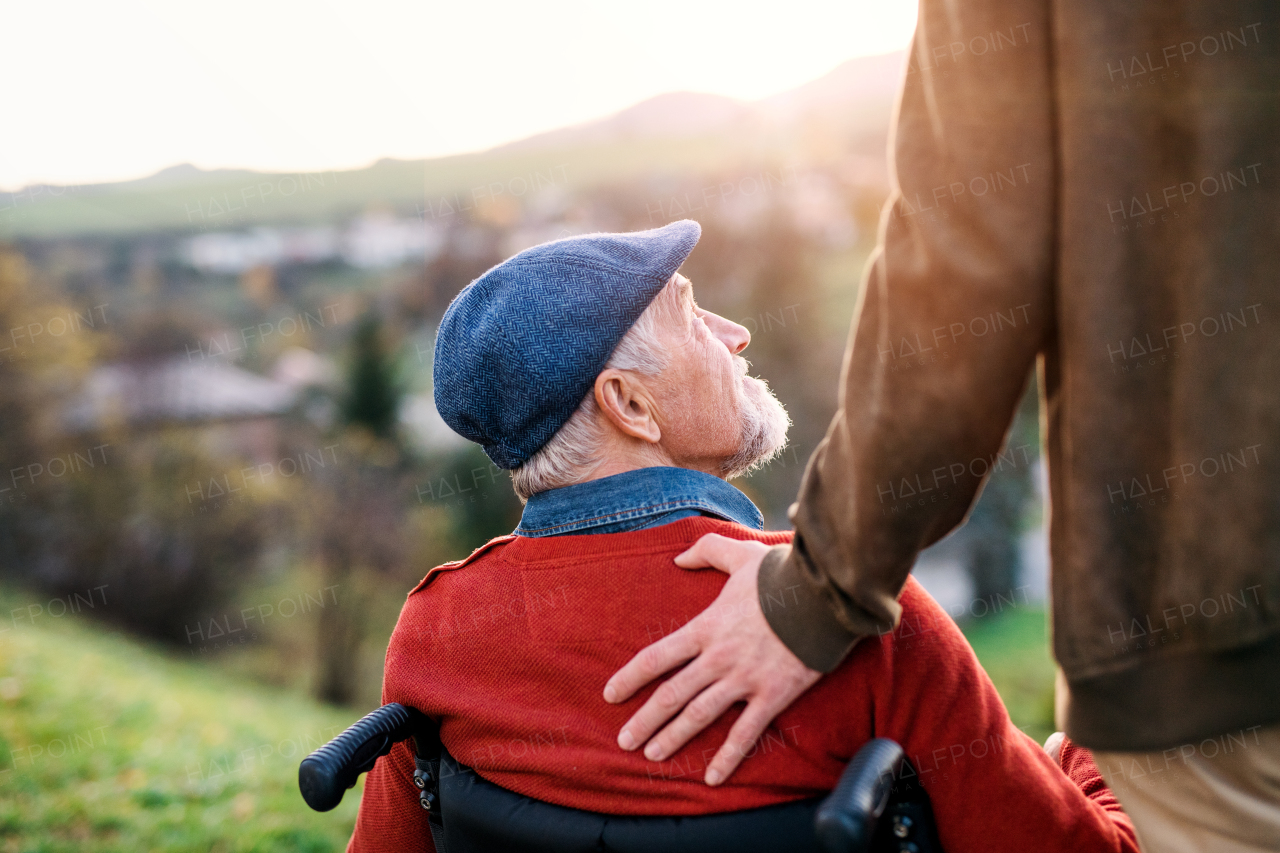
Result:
x=846 y=820
x=326 y=774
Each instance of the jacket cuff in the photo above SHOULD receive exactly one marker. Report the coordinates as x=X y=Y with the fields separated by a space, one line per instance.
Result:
x=800 y=614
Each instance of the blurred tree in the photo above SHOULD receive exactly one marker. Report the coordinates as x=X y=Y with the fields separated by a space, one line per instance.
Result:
x=359 y=514
x=374 y=391
x=170 y=564
x=104 y=511
x=477 y=495
x=20 y=440
x=368 y=531
x=988 y=546
x=993 y=533
x=359 y=511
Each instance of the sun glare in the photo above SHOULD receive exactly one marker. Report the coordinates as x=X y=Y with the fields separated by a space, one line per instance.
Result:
x=117 y=91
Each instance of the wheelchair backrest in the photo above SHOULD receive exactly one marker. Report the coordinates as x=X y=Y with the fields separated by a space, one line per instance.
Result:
x=481 y=816
x=878 y=806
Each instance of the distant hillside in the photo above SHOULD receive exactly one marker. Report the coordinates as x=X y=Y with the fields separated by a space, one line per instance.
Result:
x=857 y=91
x=671 y=115
x=865 y=87
x=674 y=134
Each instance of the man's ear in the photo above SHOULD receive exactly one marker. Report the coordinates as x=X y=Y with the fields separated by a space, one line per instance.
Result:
x=626 y=402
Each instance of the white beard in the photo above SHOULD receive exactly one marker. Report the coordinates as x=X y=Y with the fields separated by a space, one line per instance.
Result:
x=764 y=426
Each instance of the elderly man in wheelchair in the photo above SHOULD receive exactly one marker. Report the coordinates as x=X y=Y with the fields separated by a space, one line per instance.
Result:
x=622 y=408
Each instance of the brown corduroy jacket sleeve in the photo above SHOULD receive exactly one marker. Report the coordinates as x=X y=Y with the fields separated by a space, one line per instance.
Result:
x=956 y=303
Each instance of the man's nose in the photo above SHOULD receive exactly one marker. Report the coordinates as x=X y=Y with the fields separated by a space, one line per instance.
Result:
x=732 y=335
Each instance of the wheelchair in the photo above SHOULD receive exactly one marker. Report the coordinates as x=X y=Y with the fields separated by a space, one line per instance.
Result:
x=878 y=805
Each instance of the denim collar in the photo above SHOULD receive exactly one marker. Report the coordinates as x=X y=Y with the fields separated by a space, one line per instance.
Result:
x=635 y=500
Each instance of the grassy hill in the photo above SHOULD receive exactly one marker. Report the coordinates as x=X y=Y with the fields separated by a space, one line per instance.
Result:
x=107 y=744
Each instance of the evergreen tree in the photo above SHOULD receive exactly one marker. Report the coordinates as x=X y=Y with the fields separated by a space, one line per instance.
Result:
x=374 y=390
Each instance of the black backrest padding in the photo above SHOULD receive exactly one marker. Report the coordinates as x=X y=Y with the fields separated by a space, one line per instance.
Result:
x=481 y=817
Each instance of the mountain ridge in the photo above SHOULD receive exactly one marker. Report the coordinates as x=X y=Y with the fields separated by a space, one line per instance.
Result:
x=670 y=133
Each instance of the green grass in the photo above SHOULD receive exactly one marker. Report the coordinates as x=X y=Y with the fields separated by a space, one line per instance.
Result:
x=1014 y=648
x=107 y=744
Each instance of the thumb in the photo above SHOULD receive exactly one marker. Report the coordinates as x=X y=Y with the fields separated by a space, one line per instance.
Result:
x=717 y=552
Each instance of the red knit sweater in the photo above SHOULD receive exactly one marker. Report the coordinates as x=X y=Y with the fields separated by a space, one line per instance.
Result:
x=510 y=649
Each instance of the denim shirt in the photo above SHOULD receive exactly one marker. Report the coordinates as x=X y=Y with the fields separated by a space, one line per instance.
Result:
x=635 y=500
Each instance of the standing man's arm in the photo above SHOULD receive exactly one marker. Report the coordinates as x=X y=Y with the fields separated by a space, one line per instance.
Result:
x=957 y=302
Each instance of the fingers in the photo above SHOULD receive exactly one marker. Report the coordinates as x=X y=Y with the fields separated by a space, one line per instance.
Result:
x=745 y=732
x=721 y=552
x=1053 y=746
x=696 y=555
x=651 y=662
x=666 y=701
x=705 y=709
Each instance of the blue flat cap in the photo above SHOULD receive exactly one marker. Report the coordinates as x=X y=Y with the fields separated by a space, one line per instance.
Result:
x=520 y=346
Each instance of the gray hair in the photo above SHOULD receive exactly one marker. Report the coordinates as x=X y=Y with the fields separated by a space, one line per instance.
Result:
x=573 y=453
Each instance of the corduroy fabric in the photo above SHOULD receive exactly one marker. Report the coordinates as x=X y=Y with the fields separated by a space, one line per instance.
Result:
x=521 y=345
x=511 y=648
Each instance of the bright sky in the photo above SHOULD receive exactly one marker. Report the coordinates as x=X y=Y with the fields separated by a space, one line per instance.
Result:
x=98 y=91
